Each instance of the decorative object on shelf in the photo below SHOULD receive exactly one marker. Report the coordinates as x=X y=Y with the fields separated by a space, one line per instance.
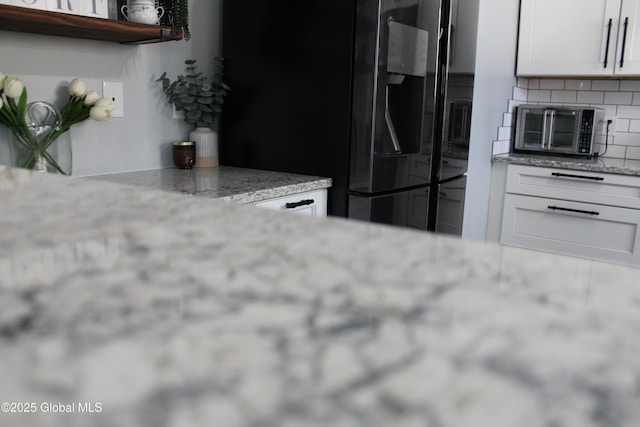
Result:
x=201 y=103
x=143 y=12
x=177 y=16
x=184 y=154
x=92 y=8
x=39 y=130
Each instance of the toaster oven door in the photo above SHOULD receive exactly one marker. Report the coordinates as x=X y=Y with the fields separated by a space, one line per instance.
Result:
x=552 y=130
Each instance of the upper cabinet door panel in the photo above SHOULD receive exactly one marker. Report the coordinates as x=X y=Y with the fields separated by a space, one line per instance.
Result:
x=628 y=49
x=568 y=37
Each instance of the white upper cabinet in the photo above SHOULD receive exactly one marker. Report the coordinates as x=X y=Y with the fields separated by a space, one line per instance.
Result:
x=579 y=38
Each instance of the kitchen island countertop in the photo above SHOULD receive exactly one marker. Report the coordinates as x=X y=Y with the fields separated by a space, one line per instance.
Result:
x=240 y=185
x=164 y=310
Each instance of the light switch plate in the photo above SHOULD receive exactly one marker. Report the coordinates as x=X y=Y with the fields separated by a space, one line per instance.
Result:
x=115 y=92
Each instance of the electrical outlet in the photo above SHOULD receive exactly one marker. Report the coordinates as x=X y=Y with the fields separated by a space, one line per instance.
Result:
x=177 y=114
x=115 y=92
x=612 y=125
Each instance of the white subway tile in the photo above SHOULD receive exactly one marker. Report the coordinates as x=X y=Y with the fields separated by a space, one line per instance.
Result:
x=590 y=97
x=507 y=119
x=629 y=112
x=519 y=94
x=630 y=85
x=614 y=151
x=566 y=96
x=621 y=125
x=539 y=96
x=636 y=98
x=612 y=85
x=534 y=84
x=618 y=98
x=577 y=85
x=552 y=84
x=504 y=132
x=633 y=153
x=501 y=147
x=632 y=139
x=523 y=83
x=634 y=126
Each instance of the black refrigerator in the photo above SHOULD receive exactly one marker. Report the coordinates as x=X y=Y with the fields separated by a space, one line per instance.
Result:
x=354 y=90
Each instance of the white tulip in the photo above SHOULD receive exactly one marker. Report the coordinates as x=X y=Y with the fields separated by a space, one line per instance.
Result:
x=105 y=103
x=13 y=87
x=77 y=87
x=2 y=77
x=99 y=114
x=91 y=98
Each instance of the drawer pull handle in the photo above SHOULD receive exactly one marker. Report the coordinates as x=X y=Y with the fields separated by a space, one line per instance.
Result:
x=568 y=175
x=294 y=205
x=557 y=208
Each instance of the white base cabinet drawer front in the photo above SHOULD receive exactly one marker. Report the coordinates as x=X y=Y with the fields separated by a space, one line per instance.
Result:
x=579 y=229
x=312 y=203
x=580 y=186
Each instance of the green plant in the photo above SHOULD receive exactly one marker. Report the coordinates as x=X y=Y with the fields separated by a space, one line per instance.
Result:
x=201 y=101
x=176 y=16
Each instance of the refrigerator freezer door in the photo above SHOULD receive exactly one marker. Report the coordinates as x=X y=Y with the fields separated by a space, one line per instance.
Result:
x=406 y=208
x=451 y=206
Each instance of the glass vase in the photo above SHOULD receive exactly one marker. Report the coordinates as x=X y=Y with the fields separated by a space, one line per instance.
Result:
x=32 y=148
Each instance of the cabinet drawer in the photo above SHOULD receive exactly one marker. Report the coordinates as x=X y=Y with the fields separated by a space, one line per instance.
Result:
x=311 y=203
x=589 y=187
x=579 y=229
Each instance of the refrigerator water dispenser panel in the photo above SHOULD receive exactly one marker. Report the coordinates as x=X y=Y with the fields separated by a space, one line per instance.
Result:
x=408 y=48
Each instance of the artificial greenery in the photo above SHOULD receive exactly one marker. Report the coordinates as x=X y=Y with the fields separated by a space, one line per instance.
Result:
x=176 y=16
x=201 y=101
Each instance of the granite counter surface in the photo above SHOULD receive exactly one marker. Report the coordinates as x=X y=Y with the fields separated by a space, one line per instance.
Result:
x=239 y=185
x=602 y=164
x=177 y=311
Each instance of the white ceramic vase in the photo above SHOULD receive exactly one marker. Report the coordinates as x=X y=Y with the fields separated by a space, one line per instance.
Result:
x=206 y=147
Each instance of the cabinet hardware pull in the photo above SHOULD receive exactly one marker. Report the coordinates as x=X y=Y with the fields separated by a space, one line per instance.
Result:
x=557 y=208
x=568 y=175
x=606 y=49
x=293 y=205
x=624 y=40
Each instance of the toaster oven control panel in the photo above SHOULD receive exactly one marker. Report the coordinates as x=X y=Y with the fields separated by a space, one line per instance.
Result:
x=586 y=131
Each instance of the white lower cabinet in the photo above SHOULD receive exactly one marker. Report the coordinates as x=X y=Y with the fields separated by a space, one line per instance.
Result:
x=578 y=213
x=310 y=203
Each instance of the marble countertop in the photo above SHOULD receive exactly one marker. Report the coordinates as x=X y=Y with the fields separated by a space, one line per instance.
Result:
x=161 y=309
x=239 y=185
x=602 y=164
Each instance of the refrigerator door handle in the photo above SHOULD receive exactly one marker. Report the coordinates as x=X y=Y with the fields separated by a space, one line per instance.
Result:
x=393 y=79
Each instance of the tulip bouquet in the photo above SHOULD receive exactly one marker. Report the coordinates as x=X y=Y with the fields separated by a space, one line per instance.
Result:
x=81 y=105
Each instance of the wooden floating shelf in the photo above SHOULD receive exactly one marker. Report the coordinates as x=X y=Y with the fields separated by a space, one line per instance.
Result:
x=26 y=20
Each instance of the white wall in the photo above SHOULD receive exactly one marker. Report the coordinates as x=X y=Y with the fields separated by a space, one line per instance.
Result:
x=494 y=81
x=141 y=139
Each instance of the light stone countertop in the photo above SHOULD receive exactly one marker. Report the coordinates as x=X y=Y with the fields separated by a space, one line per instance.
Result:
x=234 y=184
x=177 y=311
x=602 y=164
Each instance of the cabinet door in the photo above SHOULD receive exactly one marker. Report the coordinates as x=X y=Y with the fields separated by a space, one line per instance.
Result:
x=628 y=59
x=579 y=229
x=312 y=203
x=568 y=37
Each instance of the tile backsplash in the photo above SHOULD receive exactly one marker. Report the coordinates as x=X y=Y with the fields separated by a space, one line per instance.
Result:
x=619 y=98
